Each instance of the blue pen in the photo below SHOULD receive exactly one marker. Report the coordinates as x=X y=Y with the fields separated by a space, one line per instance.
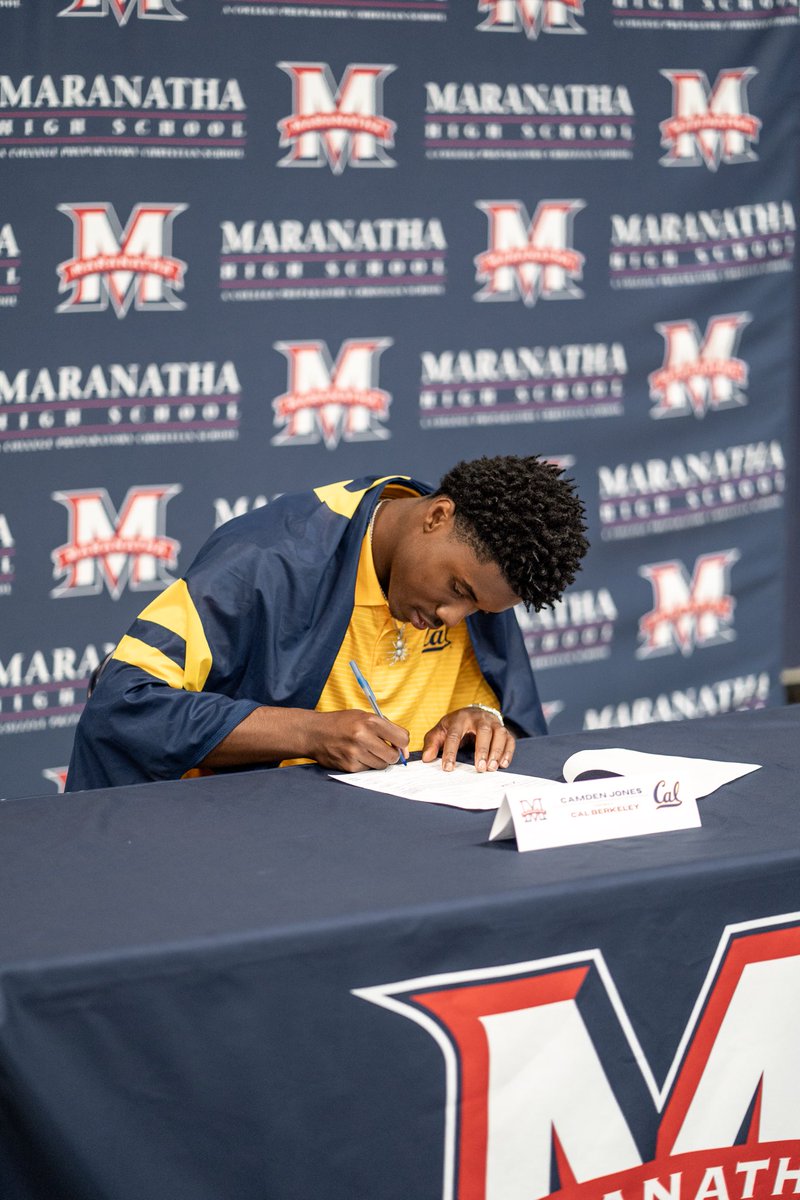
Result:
x=368 y=692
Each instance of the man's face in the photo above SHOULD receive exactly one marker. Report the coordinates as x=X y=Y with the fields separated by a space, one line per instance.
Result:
x=437 y=579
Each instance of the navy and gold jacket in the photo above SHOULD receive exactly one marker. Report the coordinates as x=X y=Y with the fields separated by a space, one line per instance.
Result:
x=257 y=620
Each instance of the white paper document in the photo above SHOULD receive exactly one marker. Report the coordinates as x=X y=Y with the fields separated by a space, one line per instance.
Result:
x=707 y=774
x=463 y=787
x=648 y=793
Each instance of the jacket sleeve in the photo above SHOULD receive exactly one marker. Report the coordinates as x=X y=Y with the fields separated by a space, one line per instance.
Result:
x=503 y=659
x=170 y=692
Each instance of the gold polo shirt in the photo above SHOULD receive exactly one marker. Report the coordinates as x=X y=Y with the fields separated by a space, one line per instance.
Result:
x=438 y=675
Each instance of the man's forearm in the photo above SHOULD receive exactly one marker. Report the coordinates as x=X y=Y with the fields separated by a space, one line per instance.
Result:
x=267 y=735
x=349 y=740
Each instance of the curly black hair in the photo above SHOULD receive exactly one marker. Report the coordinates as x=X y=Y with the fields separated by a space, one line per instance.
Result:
x=520 y=513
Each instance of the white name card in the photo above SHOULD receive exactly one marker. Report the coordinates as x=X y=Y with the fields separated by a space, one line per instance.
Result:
x=547 y=814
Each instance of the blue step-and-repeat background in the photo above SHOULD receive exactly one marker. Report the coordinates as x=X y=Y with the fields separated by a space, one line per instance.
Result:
x=249 y=246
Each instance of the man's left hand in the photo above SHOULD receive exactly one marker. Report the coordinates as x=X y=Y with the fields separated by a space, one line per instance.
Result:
x=494 y=745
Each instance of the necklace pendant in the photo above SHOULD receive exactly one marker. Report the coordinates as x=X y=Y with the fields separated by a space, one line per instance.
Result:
x=399 y=650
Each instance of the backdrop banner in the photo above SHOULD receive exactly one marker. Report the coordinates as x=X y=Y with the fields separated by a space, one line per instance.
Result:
x=249 y=247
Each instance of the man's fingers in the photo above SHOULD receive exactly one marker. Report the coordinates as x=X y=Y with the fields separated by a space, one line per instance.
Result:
x=376 y=751
x=384 y=742
x=494 y=745
x=359 y=741
x=498 y=752
x=452 y=741
x=433 y=743
x=395 y=735
x=483 y=747
x=507 y=753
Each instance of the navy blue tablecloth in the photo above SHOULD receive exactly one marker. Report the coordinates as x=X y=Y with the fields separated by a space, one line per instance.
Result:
x=243 y=986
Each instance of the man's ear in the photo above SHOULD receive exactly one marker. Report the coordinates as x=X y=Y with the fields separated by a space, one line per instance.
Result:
x=439 y=514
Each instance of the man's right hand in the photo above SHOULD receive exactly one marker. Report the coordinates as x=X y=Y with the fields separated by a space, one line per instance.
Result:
x=351 y=740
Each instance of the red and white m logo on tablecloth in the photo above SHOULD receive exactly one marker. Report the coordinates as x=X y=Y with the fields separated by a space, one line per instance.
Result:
x=531 y=17
x=123 y=266
x=530 y=1101
x=529 y=258
x=696 y=374
x=688 y=613
x=330 y=400
x=113 y=549
x=709 y=125
x=337 y=126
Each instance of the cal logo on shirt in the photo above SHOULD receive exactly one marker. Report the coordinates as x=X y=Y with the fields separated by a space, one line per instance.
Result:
x=436 y=639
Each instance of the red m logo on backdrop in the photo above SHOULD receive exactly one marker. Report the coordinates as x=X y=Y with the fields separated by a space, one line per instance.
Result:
x=696 y=374
x=332 y=400
x=709 y=125
x=688 y=613
x=109 y=263
x=337 y=126
x=115 y=549
x=529 y=1098
x=153 y=10
x=527 y=257
x=531 y=16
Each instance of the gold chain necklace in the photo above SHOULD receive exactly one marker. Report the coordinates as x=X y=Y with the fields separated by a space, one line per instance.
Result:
x=399 y=650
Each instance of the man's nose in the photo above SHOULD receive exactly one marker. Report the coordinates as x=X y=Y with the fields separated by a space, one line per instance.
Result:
x=453 y=611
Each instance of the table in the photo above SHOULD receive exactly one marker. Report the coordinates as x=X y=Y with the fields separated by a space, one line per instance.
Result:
x=273 y=985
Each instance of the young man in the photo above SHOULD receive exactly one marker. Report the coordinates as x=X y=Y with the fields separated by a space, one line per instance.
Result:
x=245 y=661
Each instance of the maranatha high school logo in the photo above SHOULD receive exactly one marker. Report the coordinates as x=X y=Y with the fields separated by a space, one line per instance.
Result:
x=531 y=17
x=719 y=15
x=10 y=263
x=682 y=491
x=123 y=10
x=528 y=258
x=670 y=249
x=329 y=401
x=519 y=384
x=115 y=550
x=332 y=258
x=118 y=404
x=708 y=125
x=121 y=116
x=134 y=265
x=530 y=1061
x=337 y=125
x=528 y=120
x=743 y=693
x=46 y=689
x=579 y=628
x=700 y=374
x=688 y=614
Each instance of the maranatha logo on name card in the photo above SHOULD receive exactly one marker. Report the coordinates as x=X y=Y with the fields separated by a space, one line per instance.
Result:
x=554 y=814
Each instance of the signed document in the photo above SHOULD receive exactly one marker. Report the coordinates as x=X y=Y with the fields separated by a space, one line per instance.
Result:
x=463 y=787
